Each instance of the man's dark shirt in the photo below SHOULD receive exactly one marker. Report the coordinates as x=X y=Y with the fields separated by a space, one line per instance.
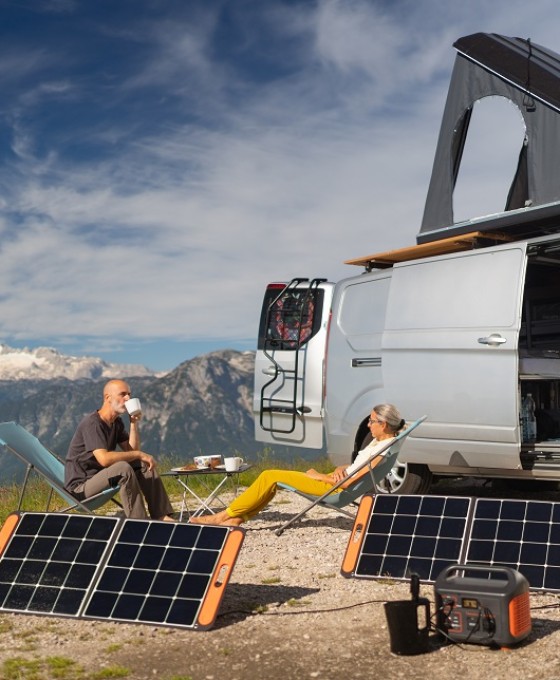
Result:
x=92 y=433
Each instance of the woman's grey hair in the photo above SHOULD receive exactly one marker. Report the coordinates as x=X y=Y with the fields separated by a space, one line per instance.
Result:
x=391 y=415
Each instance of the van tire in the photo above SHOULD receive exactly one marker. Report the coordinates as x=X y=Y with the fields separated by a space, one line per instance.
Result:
x=407 y=479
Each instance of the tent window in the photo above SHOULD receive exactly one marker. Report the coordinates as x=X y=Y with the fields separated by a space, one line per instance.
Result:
x=490 y=159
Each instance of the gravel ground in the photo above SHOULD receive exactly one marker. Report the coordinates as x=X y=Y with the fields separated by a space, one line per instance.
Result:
x=287 y=613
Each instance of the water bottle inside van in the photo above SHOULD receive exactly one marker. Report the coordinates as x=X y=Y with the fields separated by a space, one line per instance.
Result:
x=528 y=419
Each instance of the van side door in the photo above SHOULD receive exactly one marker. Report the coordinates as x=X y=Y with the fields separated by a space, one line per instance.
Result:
x=450 y=350
x=354 y=376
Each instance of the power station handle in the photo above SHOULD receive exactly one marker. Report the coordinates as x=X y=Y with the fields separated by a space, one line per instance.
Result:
x=492 y=339
x=507 y=572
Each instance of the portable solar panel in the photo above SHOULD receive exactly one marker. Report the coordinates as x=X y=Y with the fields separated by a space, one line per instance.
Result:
x=96 y=567
x=521 y=534
x=394 y=536
x=159 y=572
x=48 y=561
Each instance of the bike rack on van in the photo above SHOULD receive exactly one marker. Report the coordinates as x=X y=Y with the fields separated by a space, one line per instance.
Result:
x=287 y=406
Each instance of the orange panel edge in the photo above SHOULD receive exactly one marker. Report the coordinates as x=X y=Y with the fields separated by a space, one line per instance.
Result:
x=220 y=578
x=7 y=530
x=357 y=536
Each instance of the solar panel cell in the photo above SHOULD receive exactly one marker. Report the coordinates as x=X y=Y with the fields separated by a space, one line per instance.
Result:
x=369 y=565
x=77 y=528
x=552 y=576
x=183 y=613
x=447 y=549
x=483 y=529
x=166 y=584
x=44 y=599
x=19 y=597
x=193 y=587
x=80 y=576
x=149 y=557
x=19 y=547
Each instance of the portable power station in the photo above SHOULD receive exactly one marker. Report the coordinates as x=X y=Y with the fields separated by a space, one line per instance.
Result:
x=482 y=604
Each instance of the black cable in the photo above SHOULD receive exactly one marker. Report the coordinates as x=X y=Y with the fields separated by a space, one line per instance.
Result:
x=545 y=606
x=449 y=604
x=361 y=604
x=302 y=611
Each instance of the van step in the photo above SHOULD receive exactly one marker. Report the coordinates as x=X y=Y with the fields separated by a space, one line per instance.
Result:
x=535 y=460
x=278 y=409
x=286 y=409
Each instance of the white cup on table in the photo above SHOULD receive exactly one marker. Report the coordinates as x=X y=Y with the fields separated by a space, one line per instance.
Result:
x=133 y=406
x=233 y=463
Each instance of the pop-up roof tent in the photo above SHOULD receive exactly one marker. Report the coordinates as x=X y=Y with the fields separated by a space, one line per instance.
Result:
x=529 y=76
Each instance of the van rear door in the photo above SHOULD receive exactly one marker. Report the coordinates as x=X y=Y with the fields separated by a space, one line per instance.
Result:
x=289 y=364
x=450 y=349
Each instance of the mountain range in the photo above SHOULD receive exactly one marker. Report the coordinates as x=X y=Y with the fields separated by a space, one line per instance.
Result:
x=203 y=406
x=46 y=363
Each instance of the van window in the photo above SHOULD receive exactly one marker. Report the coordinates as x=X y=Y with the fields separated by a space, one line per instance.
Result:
x=362 y=307
x=291 y=319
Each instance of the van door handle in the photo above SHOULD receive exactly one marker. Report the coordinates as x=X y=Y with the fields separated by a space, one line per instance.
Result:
x=269 y=371
x=369 y=361
x=492 y=339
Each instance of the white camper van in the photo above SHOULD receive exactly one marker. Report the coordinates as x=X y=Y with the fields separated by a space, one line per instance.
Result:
x=461 y=327
x=461 y=337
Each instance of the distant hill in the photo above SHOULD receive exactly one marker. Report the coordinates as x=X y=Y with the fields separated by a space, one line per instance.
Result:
x=202 y=406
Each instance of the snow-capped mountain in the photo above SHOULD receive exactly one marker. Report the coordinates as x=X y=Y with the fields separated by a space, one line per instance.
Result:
x=45 y=363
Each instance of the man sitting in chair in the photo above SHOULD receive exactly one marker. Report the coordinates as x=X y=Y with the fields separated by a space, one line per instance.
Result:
x=93 y=464
x=385 y=423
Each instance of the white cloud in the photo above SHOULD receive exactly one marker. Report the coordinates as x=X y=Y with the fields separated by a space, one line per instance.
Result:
x=177 y=231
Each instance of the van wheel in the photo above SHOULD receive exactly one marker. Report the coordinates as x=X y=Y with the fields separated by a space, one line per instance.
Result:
x=406 y=479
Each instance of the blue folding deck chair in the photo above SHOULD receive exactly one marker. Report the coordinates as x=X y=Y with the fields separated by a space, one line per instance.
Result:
x=364 y=483
x=48 y=465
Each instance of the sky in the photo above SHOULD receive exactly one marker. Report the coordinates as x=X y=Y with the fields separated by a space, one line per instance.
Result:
x=161 y=161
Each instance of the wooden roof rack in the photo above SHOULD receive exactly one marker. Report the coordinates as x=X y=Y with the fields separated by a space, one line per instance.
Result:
x=474 y=239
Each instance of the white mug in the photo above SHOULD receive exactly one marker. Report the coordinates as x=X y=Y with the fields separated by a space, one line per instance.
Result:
x=133 y=406
x=233 y=464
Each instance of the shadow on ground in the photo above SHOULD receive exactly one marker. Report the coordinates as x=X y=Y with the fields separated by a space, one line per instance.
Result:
x=243 y=600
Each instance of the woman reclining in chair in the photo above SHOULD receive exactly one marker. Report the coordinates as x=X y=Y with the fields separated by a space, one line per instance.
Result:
x=385 y=423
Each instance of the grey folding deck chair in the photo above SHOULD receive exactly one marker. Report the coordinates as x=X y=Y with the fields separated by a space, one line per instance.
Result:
x=364 y=483
x=48 y=465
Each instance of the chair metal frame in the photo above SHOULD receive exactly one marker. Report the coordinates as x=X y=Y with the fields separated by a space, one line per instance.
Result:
x=44 y=462
x=364 y=483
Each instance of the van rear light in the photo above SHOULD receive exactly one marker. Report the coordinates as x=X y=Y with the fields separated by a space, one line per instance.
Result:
x=325 y=357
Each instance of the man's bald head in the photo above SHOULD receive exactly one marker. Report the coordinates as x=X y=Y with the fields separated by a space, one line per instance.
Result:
x=114 y=387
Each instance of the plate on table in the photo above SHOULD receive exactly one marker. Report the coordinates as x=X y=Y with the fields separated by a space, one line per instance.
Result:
x=186 y=468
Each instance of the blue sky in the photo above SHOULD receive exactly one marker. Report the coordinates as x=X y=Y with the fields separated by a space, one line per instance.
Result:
x=162 y=160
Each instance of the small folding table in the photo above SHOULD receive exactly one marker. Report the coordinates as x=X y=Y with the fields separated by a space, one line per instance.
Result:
x=185 y=478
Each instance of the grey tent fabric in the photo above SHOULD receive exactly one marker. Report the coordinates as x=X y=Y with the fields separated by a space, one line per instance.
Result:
x=529 y=76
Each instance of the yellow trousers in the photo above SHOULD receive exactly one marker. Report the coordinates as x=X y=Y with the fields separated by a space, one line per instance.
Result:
x=263 y=489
